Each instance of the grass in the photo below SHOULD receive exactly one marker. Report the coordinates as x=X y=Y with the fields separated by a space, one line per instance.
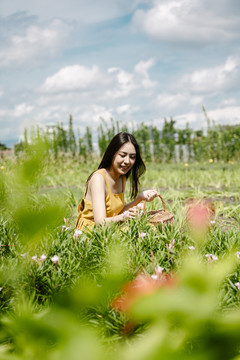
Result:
x=78 y=290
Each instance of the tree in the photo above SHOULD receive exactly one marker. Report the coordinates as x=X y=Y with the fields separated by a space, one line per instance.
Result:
x=72 y=146
x=168 y=138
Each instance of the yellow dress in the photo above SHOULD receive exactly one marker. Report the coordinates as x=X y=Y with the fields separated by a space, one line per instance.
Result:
x=114 y=205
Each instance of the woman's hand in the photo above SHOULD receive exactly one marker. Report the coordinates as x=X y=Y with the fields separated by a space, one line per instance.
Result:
x=130 y=213
x=148 y=195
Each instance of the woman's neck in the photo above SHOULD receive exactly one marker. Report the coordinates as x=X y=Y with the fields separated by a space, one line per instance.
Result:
x=113 y=174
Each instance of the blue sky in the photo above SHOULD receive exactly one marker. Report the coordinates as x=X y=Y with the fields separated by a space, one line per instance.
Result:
x=130 y=61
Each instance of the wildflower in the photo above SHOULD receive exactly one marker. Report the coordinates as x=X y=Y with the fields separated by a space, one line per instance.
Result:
x=212 y=222
x=158 y=273
x=191 y=248
x=142 y=235
x=237 y=254
x=65 y=228
x=66 y=220
x=140 y=206
x=210 y=161
x=34 y=257
x=2 y=168
x=159 y=270
x=55 y=259
x=171 y=245
x=76 y=234
x=0 y=289
x=186 y=165
x=23 y=255
x=199 y=216
x=211 y=257
x=141 y=286
x=237 y=284
x=43 y=257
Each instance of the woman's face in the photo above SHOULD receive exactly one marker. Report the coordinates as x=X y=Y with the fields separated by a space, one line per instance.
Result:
x=124 y=159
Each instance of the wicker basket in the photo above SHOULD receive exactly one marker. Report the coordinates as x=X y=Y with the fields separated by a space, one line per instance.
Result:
x=160 y=216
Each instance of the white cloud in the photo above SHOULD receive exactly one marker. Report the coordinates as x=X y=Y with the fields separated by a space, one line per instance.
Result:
x=71 y=78
x=126 y=109
x=142 y=68
x=213 y=79
x=22 y=109
x=173 y=101
x=229 y=115
x=98 y=112
x=35 y=43
x=124 y=83
x=229 y=102
x=194 y=21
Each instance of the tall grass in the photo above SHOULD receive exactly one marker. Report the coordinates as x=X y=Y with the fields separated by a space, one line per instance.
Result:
x=61 y=305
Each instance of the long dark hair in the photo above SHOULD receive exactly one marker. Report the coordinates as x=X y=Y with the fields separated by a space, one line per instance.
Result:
x=138 y=168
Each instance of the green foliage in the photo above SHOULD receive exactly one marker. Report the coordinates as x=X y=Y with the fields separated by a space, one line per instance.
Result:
x=64 y=309
x=220 y=143
x=72 y=146
x=168 y=139
x=143 y=137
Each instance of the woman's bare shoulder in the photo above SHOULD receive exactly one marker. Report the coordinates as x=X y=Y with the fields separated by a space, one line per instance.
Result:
x=96 y=179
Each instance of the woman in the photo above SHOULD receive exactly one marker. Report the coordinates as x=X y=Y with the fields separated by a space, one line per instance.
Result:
x=104 y=197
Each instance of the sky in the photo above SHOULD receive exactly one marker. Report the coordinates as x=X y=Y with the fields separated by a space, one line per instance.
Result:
x=133 y=61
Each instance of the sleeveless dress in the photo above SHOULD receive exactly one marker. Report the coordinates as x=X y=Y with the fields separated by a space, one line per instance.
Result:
x=114 y=205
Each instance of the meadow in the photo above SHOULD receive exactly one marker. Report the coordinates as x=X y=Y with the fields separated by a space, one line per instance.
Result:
x=121 y=291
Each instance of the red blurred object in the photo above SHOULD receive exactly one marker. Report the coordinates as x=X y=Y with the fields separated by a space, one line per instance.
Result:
x=141 y=286
x=199 y=214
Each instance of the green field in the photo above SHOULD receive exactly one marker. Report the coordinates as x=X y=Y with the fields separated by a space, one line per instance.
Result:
x=63 y=307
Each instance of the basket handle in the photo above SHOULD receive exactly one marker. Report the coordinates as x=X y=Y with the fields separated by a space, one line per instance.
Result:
x=163 y=203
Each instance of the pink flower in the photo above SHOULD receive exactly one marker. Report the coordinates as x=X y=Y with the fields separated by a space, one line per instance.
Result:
x=55 y=259
x=171 y=245
x=159 y=270
x=237 y=284
x=140 y=206
x=140 y=287
x=65 y=228
x=191 y=248
x=43 y=257
x=211 y=257
x=142 y=235
x=23 y=255
x=76 y=234
x=34 y=257
x=199 y=215
x=237 y=254
x=158 y=273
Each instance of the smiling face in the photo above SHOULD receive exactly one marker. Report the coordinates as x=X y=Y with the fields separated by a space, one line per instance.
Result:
x=124 y=159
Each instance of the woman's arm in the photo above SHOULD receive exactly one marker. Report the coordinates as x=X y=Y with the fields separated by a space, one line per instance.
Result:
x=96 y=188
